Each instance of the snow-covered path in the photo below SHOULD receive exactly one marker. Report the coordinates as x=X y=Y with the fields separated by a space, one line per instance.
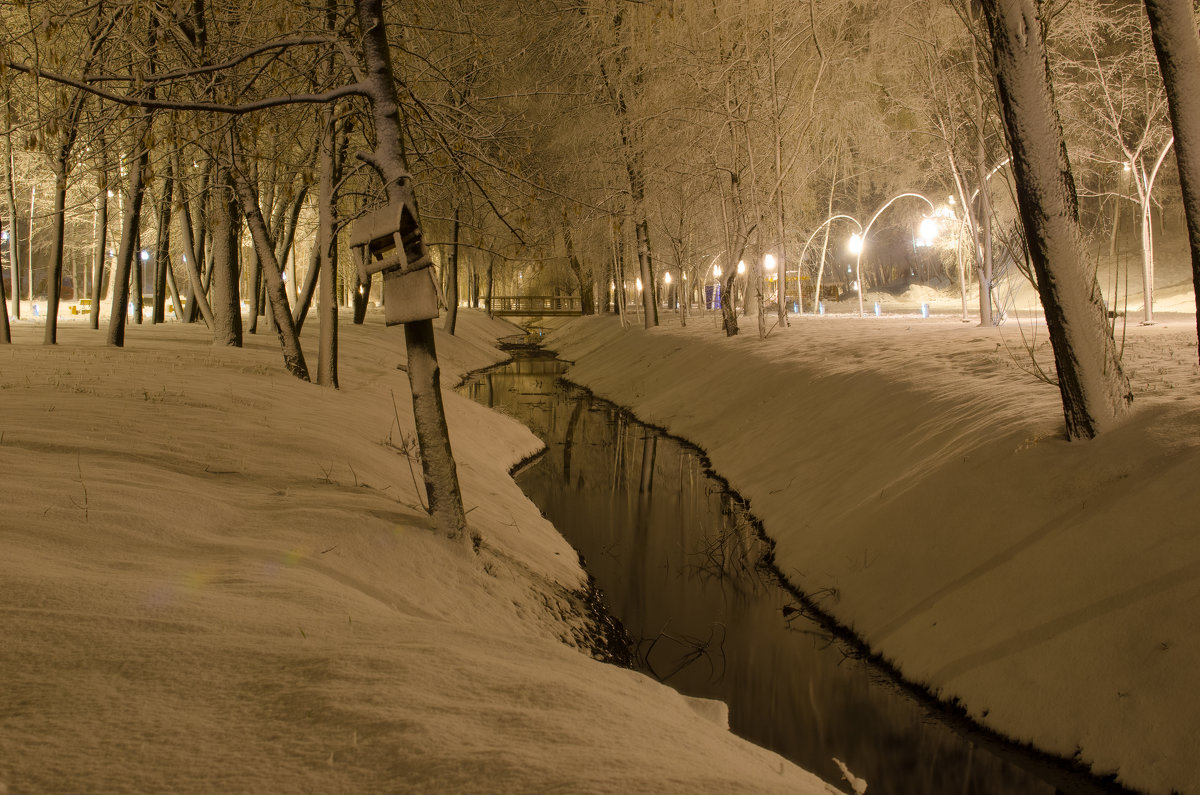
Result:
x=918 y=484
x=214 y=577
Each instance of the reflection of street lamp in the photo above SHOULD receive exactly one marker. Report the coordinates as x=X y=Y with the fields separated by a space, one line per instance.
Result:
x=857 y=241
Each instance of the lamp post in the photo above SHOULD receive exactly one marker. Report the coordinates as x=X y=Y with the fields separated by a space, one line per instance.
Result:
x=821 y=267
x=857 y=242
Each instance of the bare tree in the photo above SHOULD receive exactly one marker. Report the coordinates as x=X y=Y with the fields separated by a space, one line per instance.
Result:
x=1095 y=391
x=1177 y=46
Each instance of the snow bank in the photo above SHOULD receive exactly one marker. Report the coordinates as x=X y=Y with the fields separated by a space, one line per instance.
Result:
x=918 y=484
x=217 y=578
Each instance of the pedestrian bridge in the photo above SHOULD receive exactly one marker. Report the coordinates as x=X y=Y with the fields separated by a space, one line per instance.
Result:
x=534 y=305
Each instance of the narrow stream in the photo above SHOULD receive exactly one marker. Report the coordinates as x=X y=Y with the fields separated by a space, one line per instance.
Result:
x=680 y=562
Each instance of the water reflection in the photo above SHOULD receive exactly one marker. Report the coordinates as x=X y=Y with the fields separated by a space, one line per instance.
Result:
x=679 y=560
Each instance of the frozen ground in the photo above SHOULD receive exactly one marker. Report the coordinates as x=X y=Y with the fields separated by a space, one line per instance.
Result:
x=215 y=578
x=916 y=478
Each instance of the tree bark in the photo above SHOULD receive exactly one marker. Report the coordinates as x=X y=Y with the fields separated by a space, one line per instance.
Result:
x=277 y=301
x=10 y=201
x=101 y=249
x=226 y=300
x=1095 y=391
x=424 y=374
x=162 y=252
x=126 y=252
x=327 y=373
x=583 y=274
x=1177 y=45
x=452 y=278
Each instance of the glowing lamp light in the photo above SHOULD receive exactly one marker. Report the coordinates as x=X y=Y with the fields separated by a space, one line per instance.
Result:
x=716 y=271
x=639 y=284
x=928 y=230
x=612 y=285
x=145 y=255
x=856 y=243
x=4 y=235
x=667 y=278
x=110 y=194
x=769 y=262
x=1127 y=168
x=741 y=267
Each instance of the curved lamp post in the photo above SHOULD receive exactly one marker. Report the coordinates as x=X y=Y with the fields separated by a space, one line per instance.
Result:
x=863 y=238
x=804 y=250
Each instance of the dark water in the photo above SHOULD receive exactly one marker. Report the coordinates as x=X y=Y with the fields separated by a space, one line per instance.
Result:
x=679 y=560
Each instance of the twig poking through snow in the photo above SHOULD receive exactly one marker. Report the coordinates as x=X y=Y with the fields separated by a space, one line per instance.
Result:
x=859 y=785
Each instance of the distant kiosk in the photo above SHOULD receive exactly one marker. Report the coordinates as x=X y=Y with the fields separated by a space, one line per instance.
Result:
x=388 y=241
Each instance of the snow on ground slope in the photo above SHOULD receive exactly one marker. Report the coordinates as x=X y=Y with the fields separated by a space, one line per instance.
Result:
x=214 y=577
x=919 y=486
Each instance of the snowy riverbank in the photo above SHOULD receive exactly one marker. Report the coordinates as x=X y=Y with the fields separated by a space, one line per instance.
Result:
x=217 y=578
x=918 y=484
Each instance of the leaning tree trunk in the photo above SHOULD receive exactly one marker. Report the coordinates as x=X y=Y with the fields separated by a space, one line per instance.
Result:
x=424 y=373
x=1174 y=31
x=1095 y=391
x=277 y=301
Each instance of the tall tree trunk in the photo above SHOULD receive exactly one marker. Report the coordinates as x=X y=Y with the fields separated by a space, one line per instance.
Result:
x=10 y=201
x=327 y=372
x=54 y=276
x=304 y=299
x=101 y=247
x=194 y=227
x=162 y=252
x=583 y=274
x=424 y=374
x=359 y=297
x=983 y=250
x=197 y=298
x=131 y=222
x=277 y=302
x=5 y=334
x=1095 y=391
x=491 y=274
x=452 y=277
x=226 y=224
x=1173 y=28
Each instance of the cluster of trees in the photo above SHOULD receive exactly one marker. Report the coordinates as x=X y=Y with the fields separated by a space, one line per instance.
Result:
x=576 y=147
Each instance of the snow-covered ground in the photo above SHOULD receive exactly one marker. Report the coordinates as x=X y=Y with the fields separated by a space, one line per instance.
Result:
x=214 y=577
x=917 y=481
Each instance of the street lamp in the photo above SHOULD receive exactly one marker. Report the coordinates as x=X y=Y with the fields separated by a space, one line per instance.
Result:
x=821 y=267
x=857 y=242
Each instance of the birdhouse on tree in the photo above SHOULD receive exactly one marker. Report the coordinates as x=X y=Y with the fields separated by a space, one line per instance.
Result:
x=389 y=241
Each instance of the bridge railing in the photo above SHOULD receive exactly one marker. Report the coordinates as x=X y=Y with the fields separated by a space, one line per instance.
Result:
x=534 y=304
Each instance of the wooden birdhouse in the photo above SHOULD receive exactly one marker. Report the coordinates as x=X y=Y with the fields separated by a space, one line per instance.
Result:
x=389 y=241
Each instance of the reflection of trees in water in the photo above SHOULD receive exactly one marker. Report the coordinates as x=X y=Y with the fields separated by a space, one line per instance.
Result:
x=684 y=565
